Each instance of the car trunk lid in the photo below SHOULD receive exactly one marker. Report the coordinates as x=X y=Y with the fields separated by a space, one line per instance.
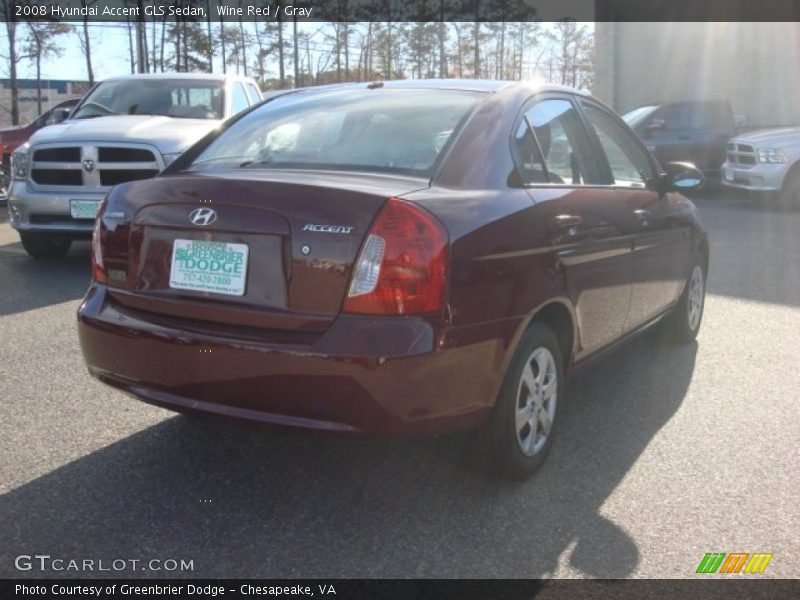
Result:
x=263 y=249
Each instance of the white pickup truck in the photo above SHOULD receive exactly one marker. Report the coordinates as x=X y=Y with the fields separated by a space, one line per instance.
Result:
x=125 y=128
x=766 y=161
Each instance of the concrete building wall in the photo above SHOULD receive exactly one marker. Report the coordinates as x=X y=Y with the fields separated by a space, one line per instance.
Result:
x=755 y=66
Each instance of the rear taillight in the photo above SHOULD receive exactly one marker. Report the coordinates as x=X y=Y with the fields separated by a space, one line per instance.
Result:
x=98 y=268
x=402 y=264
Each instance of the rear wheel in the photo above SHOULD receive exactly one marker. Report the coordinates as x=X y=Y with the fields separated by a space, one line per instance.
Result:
x=44 y=245
x=520 y=431
x=790 y=192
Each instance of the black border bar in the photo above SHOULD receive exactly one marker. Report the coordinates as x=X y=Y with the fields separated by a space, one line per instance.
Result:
x=734 y=588
x=402 y=10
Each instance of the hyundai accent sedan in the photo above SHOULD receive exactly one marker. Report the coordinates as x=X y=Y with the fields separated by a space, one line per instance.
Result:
x=391 y=259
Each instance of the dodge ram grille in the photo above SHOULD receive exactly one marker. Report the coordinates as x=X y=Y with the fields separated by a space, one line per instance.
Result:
x=92 y=166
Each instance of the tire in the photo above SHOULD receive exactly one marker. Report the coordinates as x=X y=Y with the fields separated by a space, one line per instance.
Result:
x=517 y=435
x=43 y=245
x=790 y=191
x=686 y=318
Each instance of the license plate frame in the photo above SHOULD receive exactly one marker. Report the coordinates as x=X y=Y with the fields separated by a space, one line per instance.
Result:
x=207 y=266
x=83 y=209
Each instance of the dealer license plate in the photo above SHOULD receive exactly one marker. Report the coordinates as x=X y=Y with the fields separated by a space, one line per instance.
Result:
x=83 y=209
x=204 y=266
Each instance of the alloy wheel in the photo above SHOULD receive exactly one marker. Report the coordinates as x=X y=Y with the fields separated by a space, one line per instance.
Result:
x=537 y=395
x=695 y=304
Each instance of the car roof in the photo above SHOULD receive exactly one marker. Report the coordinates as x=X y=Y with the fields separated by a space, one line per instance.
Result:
x=469 y=85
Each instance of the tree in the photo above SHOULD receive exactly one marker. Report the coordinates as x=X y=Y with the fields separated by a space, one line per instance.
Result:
x=42 y=43
x=572 y=52
x=86 y=41
x=12 y=57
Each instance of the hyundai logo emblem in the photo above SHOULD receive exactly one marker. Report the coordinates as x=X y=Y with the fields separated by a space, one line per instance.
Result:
x=203 y=216
x=88 y=164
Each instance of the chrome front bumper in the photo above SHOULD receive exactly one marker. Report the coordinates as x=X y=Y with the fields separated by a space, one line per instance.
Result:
x=758 y=178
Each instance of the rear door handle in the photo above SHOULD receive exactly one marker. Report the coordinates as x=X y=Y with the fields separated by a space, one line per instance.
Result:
x=567 y=221
x=569 y=224
x=643 y=215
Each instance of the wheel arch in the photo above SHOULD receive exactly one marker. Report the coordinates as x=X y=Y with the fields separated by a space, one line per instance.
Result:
x=792 y=171
x=559 y=315
x=703 y=249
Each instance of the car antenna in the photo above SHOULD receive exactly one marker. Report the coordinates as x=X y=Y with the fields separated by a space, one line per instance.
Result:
x=374 y=85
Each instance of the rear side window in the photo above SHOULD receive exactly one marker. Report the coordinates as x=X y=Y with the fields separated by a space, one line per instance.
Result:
x=629 y=165
x=378 y=130
x=528 y=157
x=712 y=115
x=563 y=142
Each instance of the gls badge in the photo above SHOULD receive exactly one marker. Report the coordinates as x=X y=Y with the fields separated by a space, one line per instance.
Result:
x=328 y=228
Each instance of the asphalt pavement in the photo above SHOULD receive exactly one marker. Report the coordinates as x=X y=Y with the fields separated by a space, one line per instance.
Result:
x=664 y=453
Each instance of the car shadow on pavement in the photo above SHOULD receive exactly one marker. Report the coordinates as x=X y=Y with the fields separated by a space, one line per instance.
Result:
x=244 y=501
x=753 y=251
x=30 y=284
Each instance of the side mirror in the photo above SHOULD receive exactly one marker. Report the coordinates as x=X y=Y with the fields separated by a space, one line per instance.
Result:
x=682 y=176
x=59 y=114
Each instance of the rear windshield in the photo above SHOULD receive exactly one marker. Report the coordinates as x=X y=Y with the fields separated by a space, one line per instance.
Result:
x=401 y=131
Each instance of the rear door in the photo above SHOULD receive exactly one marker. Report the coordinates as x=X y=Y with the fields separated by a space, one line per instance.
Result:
x=661 y=243
x=586 y=221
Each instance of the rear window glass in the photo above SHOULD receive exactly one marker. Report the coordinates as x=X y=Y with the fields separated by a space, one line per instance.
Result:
x=712 y=115
x=376 y=130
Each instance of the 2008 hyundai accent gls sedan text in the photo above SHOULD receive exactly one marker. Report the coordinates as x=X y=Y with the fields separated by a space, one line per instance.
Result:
x=387 y=259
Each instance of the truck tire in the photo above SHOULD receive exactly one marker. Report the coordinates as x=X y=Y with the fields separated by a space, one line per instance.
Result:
x=790 y=192
x=45 y=245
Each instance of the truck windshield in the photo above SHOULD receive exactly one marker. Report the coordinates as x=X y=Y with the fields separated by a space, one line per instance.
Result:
x=402 y=131
x=186 y=99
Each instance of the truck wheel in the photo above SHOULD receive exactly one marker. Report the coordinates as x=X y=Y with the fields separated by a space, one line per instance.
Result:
x=790 y=192
x=45 y=245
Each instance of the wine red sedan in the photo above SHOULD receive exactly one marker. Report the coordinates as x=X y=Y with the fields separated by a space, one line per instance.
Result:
x=390 y=259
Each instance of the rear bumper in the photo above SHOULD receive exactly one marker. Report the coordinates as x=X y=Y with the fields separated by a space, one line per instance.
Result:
x=373 y=376
x=47 y=212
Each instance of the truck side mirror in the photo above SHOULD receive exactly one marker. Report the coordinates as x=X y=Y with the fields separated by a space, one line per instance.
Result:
x=59 y=114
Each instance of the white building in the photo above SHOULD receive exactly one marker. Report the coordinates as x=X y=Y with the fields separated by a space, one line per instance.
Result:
x=752 y=65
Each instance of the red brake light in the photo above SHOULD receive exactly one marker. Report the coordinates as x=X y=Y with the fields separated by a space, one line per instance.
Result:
x=401 y=267
x=98 y=268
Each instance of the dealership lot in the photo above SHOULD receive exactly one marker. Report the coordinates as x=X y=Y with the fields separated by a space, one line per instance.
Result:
x=664 y=453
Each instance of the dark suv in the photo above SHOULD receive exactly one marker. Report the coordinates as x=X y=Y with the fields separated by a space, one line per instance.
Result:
x=694 y=132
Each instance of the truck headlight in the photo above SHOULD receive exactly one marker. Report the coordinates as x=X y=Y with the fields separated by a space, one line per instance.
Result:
x=772 y=156
x=20 y=163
